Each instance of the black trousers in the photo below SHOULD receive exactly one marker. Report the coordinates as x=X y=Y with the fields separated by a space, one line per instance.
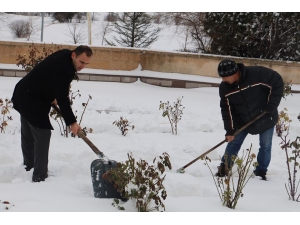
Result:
x=35 y=144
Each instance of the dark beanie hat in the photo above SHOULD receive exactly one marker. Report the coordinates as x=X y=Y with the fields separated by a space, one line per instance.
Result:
x=227 y=68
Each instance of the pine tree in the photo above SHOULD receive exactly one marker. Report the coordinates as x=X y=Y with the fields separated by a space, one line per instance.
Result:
x=228 y=32
x=134 y=29
x=265 y=35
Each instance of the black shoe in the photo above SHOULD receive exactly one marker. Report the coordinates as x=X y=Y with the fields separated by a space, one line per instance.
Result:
x=222 y=171
x=39 y=179
x=260 y=174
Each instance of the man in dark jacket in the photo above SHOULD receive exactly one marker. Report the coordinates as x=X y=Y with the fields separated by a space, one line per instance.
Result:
x=246 y=92
x=47 y=83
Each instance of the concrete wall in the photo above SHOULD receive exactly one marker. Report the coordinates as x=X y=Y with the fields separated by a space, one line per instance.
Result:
x=113 y=58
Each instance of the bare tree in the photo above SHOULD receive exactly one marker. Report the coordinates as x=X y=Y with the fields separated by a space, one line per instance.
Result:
x=191 y=25
x=187 y=39
x=105 y=29
x=32 y=27
x=23 y=28
x=77 y=32
x=3 y=21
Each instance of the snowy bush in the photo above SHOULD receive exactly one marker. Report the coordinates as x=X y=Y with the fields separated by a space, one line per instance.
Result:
x=22 y=28
x=123 y=125
x=4 y=109
x=141 y=182
x=292 y=153
x=174 y=113
x=27 y=62
x=230 y=188
x=287 y=89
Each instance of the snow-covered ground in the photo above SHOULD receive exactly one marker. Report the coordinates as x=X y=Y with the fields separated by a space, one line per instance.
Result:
x=69 y=188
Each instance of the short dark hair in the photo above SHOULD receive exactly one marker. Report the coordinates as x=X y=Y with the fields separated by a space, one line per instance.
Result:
x=83 y=49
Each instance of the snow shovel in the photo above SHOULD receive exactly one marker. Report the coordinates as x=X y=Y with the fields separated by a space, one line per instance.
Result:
x=102 y=188
x=181 y=170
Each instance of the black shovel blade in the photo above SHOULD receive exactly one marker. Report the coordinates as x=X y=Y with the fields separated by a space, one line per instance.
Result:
x=103 y=188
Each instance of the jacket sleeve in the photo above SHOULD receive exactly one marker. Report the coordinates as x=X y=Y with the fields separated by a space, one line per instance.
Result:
x=228 y=113
x=62 y=81
x=276 y=85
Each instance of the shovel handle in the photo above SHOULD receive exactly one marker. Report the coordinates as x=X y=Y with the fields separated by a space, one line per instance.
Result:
x=222 y=142
x=82 y=136
x=92 y=146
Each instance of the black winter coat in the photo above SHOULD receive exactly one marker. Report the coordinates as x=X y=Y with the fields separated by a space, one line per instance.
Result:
x=48 y=80
x=259 y=89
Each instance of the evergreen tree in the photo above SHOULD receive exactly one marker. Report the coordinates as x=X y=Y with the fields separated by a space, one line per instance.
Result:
x=134 y=29
x=228 y=33
x=265 y=35
x=64 y=17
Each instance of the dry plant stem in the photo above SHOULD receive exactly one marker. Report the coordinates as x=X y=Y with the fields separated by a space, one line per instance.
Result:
x=294 y=178
x=283 y=125
x=84 y=110
x=174 y=113
x=228 y=191
x=61 y=128
x=242 y=181
x=175 y=118
x=171 y=123
x=290 y=191
x=58 y=118
x=4 y=110
x=216 y=183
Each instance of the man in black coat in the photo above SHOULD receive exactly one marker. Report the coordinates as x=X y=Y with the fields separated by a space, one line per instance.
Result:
x=47 y=83
x=246 y=92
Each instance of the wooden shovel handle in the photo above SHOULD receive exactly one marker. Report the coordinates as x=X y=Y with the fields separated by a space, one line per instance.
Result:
x=82 y=136
x=222 y=142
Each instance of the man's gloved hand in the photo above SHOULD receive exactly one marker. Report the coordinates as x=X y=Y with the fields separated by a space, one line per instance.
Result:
x=262 y=111
x=269 y=109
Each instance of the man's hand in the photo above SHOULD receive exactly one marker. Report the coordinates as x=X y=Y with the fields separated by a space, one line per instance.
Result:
x=229 y=138
x=75 y=127
x=54 y=102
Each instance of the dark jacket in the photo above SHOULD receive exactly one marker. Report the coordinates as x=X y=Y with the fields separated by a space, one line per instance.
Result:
x=48 y=80
x=259 y=89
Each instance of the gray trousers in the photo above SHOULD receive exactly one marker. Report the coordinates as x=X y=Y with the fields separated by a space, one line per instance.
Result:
x=35 y=144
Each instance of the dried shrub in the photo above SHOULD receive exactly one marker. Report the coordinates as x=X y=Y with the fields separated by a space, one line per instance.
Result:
x=21 y=28
x=5 y=106
x=123 y=125
x=230 y=188
x=292 y=153
x=174 y=113
x=287 y=89
x=141 y=182
x=27 y=62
